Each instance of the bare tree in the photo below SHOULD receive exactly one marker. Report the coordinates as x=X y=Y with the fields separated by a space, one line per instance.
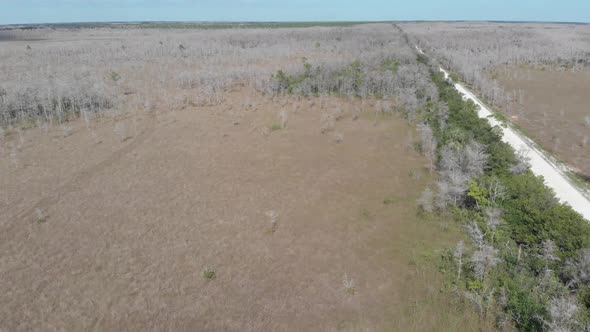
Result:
x=475 y=159
x=493 y=217
x=59 y=81
x=429 y=145
x=283 y=118
x=469 y=159
x=458 y=165
x=483 y=260
x=458 y=255
x=475 y=234
x=548 y=251
x=481 y=299
x=444 y=196
x=578 y=269
x=563 y=313
x=522 y=163
x=495 y=189
x=473 y=53
x=425 y=201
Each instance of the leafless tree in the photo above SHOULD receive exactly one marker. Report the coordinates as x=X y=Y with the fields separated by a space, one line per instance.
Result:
x=548 y=251
x=563 y=313
x=475 y=234
x=484 y=47
x=283 y=117
x=495 y=189
x=458 y=255
x=451 y=188
x=425 y=201
x=444 y=196
x=484 y=259
x=493 y=218
x=458 y=165
x=578 y=269
x=482 y=300
x=273 y=217
x=470 y=159
x=429 y=145
x=522 y=164
x=57 y=81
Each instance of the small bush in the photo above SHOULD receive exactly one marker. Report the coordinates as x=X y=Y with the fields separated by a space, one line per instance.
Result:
x=40 y=216
x=209 y=273
x=115 y=76
x=348 y=285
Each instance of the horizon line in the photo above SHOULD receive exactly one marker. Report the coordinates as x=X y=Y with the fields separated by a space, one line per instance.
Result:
x=292 y=21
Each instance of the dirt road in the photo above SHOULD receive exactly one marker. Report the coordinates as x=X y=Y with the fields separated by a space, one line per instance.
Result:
x=541 y=163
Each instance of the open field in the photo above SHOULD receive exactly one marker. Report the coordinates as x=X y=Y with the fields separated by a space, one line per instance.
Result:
x=554 y=111
x=104 y=233
x=165 y=179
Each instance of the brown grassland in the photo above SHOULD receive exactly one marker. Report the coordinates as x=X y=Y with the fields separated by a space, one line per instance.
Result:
x=128 y=226
x=197 y=207
x=554 y=111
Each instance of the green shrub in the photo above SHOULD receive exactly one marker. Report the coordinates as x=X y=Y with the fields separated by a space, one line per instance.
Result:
x=535 y=215
x=390 y=64
x=526 y=311
x=209 y=274
x=584 y=298
x=115 y=76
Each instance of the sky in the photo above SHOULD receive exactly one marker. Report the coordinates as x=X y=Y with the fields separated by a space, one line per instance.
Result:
x=55 y=11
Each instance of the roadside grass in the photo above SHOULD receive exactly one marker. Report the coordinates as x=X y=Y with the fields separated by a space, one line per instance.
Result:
x=430 y=293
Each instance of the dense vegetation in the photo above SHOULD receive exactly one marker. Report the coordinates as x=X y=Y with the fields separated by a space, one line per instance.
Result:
x=530 y=254
x=375 y=77
x=400 y=81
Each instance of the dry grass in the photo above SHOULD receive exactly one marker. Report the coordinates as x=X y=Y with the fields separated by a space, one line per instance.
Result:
x=132 y=225
x=178 y=208
x=552 y=111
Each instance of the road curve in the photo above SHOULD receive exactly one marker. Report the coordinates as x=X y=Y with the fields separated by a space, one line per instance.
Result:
x=554 y=177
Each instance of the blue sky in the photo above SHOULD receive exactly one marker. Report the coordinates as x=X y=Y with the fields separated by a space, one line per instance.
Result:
x=45 y=11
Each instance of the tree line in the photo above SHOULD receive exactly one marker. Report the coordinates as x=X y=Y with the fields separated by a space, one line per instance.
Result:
x=528 y=264
x=73 y=72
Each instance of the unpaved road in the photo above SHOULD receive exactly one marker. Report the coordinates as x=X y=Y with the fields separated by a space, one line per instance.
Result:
x=541 y=165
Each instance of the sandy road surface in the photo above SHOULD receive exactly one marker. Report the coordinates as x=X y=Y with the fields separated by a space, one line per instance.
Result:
x=540 y=164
